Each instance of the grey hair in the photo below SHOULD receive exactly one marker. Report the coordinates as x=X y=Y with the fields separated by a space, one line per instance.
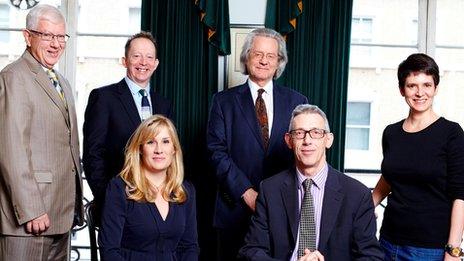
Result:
x=43 y=12
x=308 y=109
x=264 y=32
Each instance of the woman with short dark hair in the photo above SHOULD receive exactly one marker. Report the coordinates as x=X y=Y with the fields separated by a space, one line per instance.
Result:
x=422 y=173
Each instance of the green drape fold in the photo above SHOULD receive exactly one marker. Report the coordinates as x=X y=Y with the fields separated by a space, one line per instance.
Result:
x=187 y=74
x=319 y=63
x=215 y=15
x=281 y=15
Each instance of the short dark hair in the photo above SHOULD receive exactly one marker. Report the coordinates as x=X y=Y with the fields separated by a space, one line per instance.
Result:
x=142 y=34
x=418 y=63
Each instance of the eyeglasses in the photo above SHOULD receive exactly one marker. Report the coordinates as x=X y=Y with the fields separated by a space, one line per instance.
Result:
x=260 y=55
x=49 y=37
x=313 y=133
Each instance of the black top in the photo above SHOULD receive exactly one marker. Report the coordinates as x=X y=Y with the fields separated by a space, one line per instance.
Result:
x=425 y=170
x=135 y=231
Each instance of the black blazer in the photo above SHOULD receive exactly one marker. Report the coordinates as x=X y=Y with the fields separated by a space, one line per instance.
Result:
x=136 y=231
x=348 y=224
x=111 y=117
x=236 y=149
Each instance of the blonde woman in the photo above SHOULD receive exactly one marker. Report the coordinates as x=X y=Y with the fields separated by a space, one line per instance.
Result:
x=149 y=211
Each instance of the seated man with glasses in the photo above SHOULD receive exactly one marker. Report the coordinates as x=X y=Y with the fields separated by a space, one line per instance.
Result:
x=312 y=211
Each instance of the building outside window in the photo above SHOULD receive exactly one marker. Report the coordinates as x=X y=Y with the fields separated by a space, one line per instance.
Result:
x=358 y=125
x=4 y=22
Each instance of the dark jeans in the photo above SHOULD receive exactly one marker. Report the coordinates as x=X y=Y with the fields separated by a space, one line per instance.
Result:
x=409 y=253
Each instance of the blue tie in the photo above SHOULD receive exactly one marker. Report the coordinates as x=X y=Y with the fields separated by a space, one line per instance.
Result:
x=146 y=112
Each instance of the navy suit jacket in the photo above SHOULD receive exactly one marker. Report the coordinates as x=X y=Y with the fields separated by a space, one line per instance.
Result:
x=136 y=231
x=111 y=117
x=236 y=149
x=348 y=224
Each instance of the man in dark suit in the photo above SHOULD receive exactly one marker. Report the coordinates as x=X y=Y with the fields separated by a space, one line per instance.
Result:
x=245 y=136
x=312 y=212
x=114 y=112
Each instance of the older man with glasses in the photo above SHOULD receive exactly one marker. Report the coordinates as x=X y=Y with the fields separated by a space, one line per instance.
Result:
x=312 y=211
x=40 y=181
x=244 y=137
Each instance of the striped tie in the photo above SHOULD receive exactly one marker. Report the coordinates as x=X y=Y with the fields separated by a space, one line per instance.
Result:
x=146 y=111
x=307 y=225
x=54 y=79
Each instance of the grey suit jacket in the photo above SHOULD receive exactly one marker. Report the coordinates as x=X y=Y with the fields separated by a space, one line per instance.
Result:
x=39 y=150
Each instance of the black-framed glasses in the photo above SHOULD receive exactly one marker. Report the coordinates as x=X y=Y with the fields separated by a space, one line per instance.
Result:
x=313 y=133
x=62 y=38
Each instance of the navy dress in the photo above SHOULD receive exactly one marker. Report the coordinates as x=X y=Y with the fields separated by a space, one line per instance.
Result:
x=136 y=231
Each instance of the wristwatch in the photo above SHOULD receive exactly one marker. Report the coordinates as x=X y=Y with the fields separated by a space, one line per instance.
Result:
x=454 y=251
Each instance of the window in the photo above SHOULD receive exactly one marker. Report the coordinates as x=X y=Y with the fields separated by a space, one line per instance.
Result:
x=134 y=20
x=361 y=30
x=358 y=120
x=382 y=37
x=397 y=29
x=4 y=22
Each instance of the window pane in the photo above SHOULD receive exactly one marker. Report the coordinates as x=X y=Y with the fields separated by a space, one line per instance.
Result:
x=449 y=56
x=17 y=17
x=357 y=138
x=4 y=22
x=358 y=113
x=372 y=78
x=114 y=17
x=384 y=17
x=449 y=22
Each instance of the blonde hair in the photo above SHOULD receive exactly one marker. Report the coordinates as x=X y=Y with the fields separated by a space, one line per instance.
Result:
x=138 y=187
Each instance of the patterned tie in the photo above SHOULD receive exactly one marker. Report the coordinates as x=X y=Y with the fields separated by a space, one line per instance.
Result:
x=307 y=224
x=54 y=79
x=261 y=113
x=146 y=112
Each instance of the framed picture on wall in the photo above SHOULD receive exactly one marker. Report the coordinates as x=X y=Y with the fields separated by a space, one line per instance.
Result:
x=237 y=38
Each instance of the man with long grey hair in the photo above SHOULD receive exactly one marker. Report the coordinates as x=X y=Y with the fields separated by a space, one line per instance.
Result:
x=245 y=135
x=40 y=181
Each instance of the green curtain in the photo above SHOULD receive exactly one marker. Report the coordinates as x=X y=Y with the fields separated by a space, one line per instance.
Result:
x=281 y=15
x=319 y=63
x=215 y=15
x=187 y=74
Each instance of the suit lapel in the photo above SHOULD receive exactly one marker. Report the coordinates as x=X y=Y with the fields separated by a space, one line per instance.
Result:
x=125 y=96
x=333 y=197
x=154 y=102
x=245 y=103
x=44 y=82
x=289 y=194
x=280 y=117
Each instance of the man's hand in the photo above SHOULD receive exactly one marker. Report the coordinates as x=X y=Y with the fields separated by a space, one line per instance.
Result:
x=38 y=225
x=311 y=256
x=250 y=198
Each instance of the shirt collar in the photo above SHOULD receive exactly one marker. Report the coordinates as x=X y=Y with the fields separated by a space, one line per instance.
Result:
x=319 y=179
x=46 y=69
x=134 y=88
x=255 y=87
